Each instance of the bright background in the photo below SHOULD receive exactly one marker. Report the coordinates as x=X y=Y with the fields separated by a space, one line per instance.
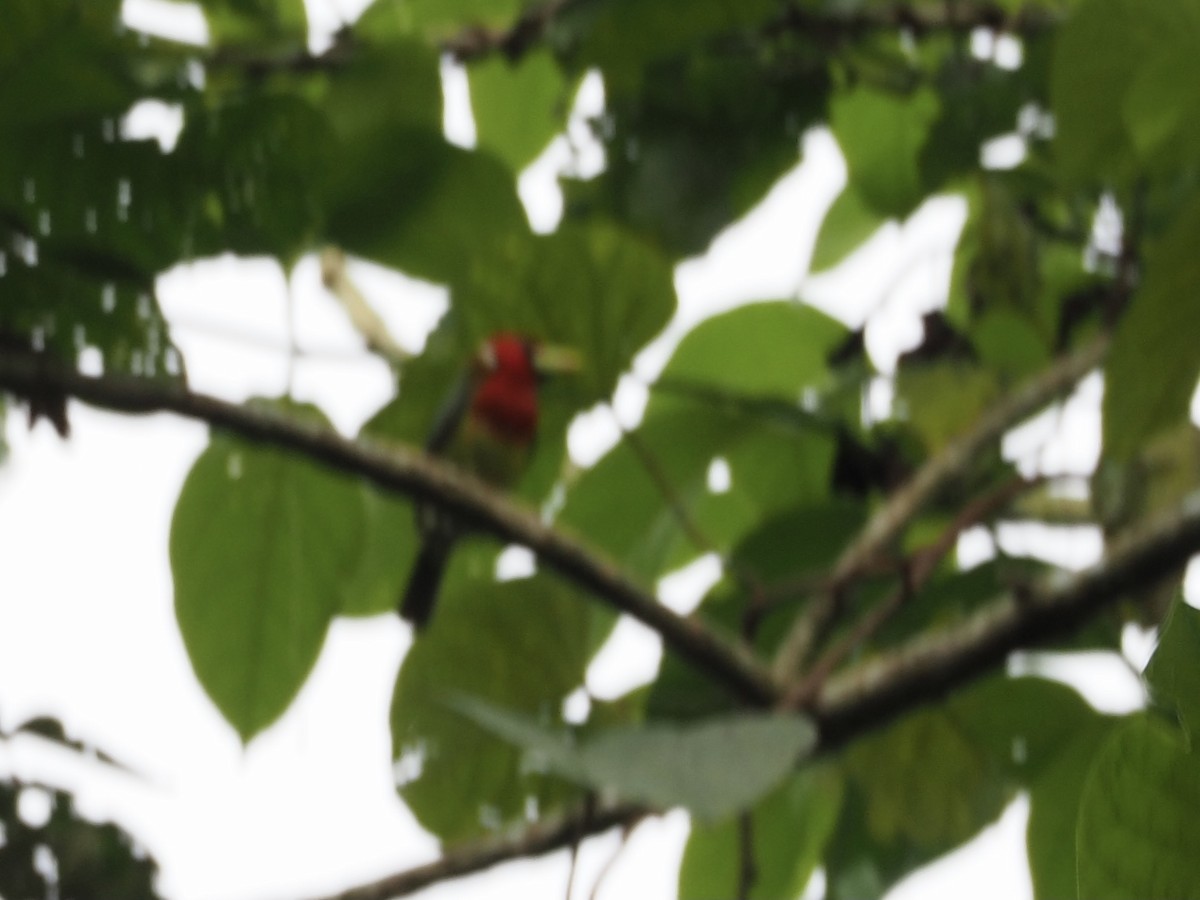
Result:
x=87 y=628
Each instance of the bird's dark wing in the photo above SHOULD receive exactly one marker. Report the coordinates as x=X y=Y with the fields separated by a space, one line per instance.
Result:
x=451 y=414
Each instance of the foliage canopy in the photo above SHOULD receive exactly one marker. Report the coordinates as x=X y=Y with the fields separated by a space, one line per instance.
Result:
x=283 y=152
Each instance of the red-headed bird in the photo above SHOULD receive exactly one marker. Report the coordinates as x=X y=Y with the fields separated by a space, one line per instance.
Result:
x=487 y=427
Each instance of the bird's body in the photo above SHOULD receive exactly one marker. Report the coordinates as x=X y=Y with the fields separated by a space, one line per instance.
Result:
x=487 y=427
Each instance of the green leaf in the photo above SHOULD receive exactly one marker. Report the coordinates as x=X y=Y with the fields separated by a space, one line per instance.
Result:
x=882 y=135
x=522 y=645
x=260 y=543
x=1141 y=398
x=435 y=20
x=789 y=829
x=519 y=106
x=846 y=227
x=1136 y=836
x=281 y=24
x=1097 y=55
x=760 y=349
x=1123 y=87
x=664 y=765
x=694 y=142
x=942 y=400
x=1054 y=797
x=910 y=801
x=420 y=204
x=1174 y=670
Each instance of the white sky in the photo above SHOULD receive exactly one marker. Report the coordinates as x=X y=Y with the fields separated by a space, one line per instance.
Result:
x=87 y=630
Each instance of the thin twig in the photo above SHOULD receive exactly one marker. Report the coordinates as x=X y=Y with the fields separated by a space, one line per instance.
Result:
x=535 y=840
x=904 y=504
x=931 y=664
x=917 y=571
x=406 y=470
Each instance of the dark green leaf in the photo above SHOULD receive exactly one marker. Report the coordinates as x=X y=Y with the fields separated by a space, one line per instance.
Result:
x=1135 y=836
x=882 y=135
x=1174 y=670
x=789 y=828
x=1141 y=399
x=418 y=203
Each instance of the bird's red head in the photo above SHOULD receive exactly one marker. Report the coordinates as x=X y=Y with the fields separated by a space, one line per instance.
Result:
x=506 y=398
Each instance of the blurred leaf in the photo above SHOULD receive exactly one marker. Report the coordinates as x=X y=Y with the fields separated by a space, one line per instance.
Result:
x=663 y=765
x=1158 y=326
x=518 y=644
x=62 y=59
x=260 y=544
x=385 y=88
x=1174 y=670
x=90 y=860
x=908 y=800
x=1054 y=797
x=789 y=828
x=434 y=20
x=1135 y=837
x=280 y=24
x=943 y=400
x=882 y=135
x=420 y=204
x=697 y=140
x=758 y=349
x=846 y=227
x=518 y=106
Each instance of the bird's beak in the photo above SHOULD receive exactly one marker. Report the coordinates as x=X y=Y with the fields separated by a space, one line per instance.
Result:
x=554 y=359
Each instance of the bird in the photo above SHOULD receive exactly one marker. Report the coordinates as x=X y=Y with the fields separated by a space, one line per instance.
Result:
x=488 y=427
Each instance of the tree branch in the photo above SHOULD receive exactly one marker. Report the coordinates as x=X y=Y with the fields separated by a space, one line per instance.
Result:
x=870 y=695
x=904 y=504
x=536 y=840
x=400 y=469
x=933 y=663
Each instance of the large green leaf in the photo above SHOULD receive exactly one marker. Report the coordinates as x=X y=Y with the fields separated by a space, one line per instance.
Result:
x=1124 y=89
x=522 y=645
x=260 y=544
x=278 y=24
x=1054 y=796
x=765 y=350
x=846 y=226
x=697 y=140
x=1153 y=366
x=1174 y=671
x=518 y=105
x=1136 y=836
x=61 y=59
x=789 y=828
x=882 y=135
x=910 y=801
x=663 y=765
x=435 y=20
x=409 y=199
